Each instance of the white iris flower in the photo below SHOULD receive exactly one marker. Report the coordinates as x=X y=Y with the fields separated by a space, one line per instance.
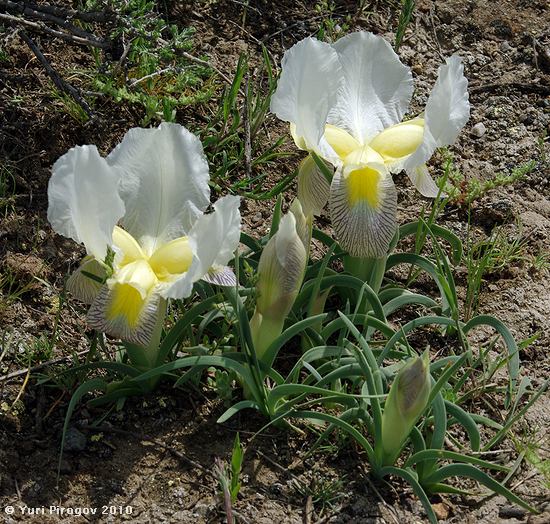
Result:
x=139 y=213
x=345 y=102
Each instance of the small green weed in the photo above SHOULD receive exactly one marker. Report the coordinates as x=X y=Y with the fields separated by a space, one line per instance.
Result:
x=463 y=191
x=490 y=257
x=232 y=139
x=324 y=491
x=407 y=8
x=155 y=70
x=332 y=26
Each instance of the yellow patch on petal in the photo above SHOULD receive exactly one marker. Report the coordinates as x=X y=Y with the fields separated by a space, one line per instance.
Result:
x=363 y=186
x=341 y=141
x=127 y=302
x=130 y=286
x=172 y=258
x=399 y=140
x=362 y=173
x=131 y=250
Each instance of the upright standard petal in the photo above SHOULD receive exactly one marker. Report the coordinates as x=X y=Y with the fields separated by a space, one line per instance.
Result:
x=307 y=89
x=83 y=199
x=447 y=112
x=377 y=87
x=213 y=239
x=164 y=183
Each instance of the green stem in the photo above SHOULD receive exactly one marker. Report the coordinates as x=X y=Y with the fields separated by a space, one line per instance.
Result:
x=147 y=358
x=265 y=330
x=369 y=270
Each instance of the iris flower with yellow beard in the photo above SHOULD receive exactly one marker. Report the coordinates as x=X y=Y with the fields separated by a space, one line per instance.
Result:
x=345 y=103
x=139 y=213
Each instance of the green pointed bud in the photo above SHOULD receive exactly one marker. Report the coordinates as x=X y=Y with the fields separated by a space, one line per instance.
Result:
x=280 y=273
x=406 y=401
x=313 y=187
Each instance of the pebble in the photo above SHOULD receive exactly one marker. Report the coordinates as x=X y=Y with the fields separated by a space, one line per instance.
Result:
x=75 y=440
x=479 y=130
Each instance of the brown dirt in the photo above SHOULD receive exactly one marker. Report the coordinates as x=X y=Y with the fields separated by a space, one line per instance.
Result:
x=509 y=95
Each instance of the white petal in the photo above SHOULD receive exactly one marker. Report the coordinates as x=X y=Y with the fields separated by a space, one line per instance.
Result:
x=83 y=199
x=377 y=87
x=307 y=90
x=220 y=276
x=422 y=180
x=313 y=187
x=213 y=239
x=447 y=112
x=84 y=287
x=361 y=229
x=164 y=182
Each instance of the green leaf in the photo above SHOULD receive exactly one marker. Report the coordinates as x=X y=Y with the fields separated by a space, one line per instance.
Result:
x=513 y=352
x=361 y=440
x=441 y=454
x=469 y=471
x=175 y=335
x=411 y=228
x=467 y=423
x=272 y=351
x=233 y=410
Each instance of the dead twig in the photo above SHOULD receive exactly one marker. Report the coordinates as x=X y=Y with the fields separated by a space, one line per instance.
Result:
x=308 y=510
x=20 y=372
x=33 y=12
x=61 y=12
x=57 y=80
x=39 y=26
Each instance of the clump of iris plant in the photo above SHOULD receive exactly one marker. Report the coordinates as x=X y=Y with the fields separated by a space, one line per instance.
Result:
x=345 y=103
x=139 y=212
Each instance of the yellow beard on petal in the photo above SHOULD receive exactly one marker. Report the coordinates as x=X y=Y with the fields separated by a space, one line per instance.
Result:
x=363 y=186
x=126 y=302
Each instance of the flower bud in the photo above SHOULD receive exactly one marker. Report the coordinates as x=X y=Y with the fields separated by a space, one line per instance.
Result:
x=280 y=273
x=303 y=223
x=406 y=401
x=281 y=269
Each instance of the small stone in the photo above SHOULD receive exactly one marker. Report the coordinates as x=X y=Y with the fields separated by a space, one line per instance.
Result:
x=441 y=510
x=505 y=46
x=75 y=440
x=479 y=130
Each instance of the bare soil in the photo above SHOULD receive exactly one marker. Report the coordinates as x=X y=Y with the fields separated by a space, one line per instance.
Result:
x=157 y=455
